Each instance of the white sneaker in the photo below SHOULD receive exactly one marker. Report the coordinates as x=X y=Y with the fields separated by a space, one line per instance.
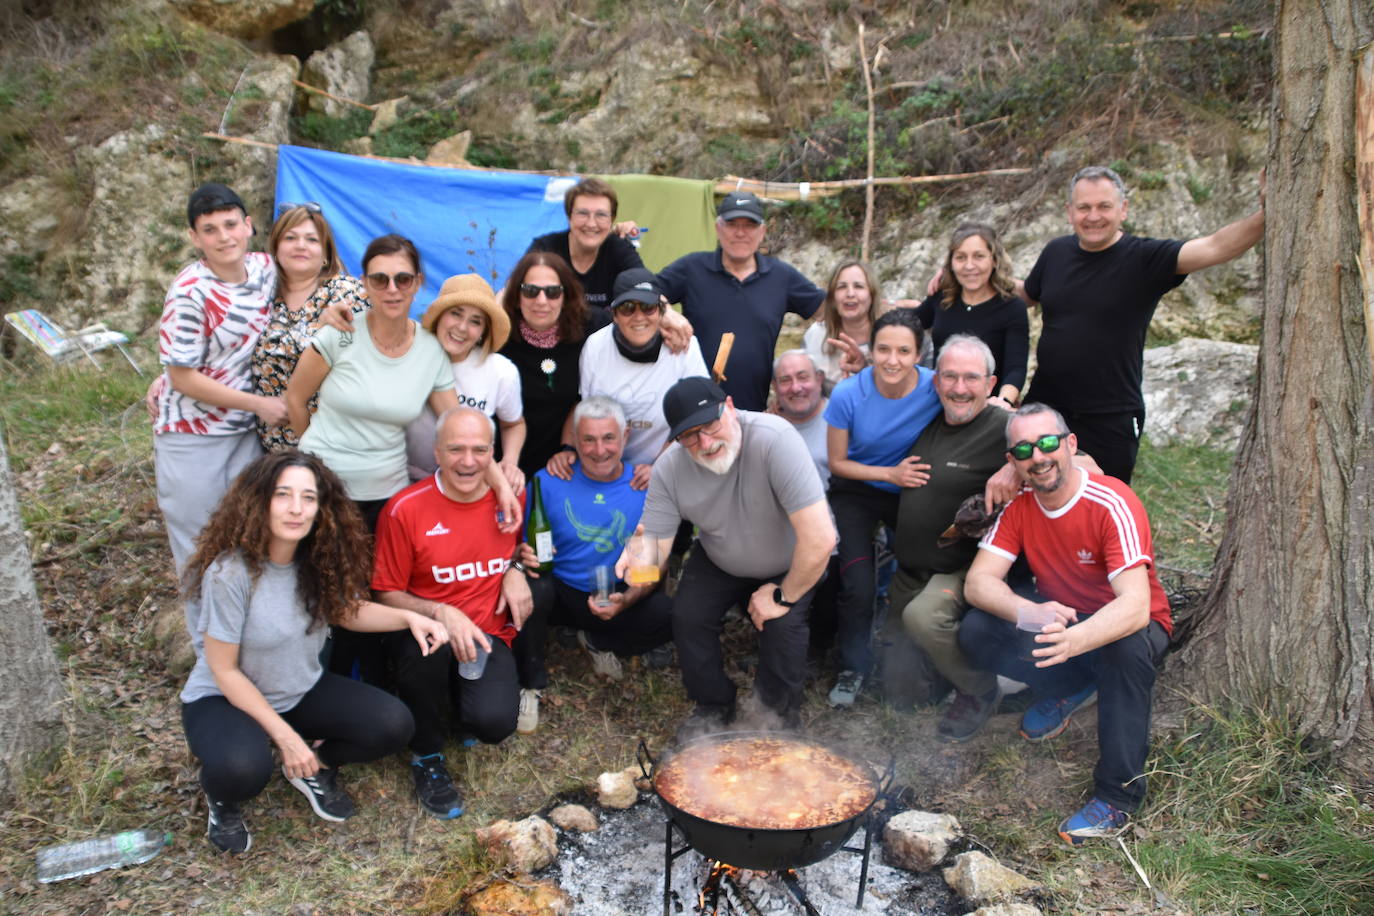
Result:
x=605 y=664
x=528 y=720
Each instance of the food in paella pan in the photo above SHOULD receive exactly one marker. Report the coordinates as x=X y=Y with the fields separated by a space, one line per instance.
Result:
x=765 y=784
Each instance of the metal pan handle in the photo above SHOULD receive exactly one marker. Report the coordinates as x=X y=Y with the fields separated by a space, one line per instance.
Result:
x=641 y=755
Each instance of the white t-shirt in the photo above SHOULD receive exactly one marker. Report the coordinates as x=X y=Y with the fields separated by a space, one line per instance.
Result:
x=491 y=384
x=828 y=361
x=637 y=387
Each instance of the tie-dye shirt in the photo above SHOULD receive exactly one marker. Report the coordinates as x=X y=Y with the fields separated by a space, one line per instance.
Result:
x=213 y=326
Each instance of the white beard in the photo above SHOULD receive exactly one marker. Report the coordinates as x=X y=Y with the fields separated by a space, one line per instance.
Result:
x=720 y=462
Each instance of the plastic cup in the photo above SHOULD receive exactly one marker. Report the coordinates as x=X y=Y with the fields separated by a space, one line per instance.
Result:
x=472 y=670
x=604 y=581
x=1030 y=620
x=643 y=554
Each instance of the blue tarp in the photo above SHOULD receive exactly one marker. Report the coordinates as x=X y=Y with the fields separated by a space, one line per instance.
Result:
x=462 y=220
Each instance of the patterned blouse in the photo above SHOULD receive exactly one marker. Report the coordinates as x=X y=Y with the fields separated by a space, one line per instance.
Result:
x=286 y=336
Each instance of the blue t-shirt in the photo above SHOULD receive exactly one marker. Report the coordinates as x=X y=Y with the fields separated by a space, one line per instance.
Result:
x=590 y=520
x=881 y=430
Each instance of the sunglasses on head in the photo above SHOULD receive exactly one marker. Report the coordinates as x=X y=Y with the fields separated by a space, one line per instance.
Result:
x=1047 y=444
x=283 y=209
x=626 y=309
x=532 y=290
x=380 y=281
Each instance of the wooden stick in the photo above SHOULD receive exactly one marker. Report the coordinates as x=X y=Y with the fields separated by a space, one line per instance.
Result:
x=868 y=187
x=329 y=95
x=791 y=190
x=727 y=341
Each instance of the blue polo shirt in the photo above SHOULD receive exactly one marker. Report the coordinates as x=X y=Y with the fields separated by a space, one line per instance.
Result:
x=715 y=302
x=590 y=520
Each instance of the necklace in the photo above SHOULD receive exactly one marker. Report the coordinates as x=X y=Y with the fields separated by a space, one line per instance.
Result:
x=399 y=347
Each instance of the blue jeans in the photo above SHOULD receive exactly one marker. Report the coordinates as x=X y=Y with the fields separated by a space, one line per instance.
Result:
x=1124 y=672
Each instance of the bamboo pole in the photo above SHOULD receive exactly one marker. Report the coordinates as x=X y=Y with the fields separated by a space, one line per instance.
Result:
x=338 y=98
x=868 y=185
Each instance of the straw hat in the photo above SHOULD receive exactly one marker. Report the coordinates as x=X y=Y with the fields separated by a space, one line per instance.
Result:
x=469 y=289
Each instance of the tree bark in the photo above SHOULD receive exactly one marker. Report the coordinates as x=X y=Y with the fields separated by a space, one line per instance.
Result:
x=1288 y=624
x=31 y=689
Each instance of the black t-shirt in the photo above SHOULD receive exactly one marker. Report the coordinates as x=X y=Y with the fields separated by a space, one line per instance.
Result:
x=1097 y=306
x=961 y=460
x=615 y=255
x=1000 y=323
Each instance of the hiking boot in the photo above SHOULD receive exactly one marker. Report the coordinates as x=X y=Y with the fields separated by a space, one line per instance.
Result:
x=659 y=657
x=1049 y=717
x=967 y=715
x=325 y=795
x=528 y=720
x=226 y=829
x=1095 y=819
x=434 y=787
x=605 y=664
x=846 y=689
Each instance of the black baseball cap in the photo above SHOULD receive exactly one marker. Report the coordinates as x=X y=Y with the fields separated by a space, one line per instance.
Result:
x=209 y=198
x=693 y=401
x=638 y=284
x=741 y=203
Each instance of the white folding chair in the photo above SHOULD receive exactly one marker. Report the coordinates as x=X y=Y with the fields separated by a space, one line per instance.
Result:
x=60 y=346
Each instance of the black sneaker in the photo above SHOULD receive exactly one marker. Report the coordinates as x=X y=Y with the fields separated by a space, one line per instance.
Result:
x=967 y=715
x=324 y=793
x=434 y=787
x=659 y=657
x=227 y=831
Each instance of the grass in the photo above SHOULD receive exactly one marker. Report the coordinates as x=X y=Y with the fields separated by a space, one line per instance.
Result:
x=1183 y=488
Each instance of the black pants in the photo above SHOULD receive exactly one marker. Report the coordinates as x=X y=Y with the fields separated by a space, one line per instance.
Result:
x=1112 y=439
x=357 y=722
x=859 y=509
x=703 y=596
x=1124 y=672
x=644 y=625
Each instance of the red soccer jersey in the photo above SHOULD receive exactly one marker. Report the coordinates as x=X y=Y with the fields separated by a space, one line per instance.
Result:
x=436 y=548
x=1076 y=550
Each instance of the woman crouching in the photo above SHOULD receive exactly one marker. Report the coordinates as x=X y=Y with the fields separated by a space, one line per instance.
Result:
x=283 y=555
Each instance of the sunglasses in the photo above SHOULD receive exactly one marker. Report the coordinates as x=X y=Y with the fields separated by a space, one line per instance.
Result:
x=1047 y=444
x=283 y=209
x=380 y=281
x=532 y=291
x=626 y=309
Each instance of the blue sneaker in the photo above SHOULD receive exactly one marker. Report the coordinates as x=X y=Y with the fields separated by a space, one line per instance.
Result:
x=434 y=788
x=1049 y=717
x=1095 y=819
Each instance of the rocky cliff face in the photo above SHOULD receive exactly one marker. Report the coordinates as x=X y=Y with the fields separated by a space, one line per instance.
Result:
x=555 y=87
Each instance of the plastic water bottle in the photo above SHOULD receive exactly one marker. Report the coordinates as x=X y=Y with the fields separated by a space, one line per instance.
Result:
x=72 y=860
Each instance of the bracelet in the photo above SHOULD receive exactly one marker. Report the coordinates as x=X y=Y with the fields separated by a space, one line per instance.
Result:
x=518 y=566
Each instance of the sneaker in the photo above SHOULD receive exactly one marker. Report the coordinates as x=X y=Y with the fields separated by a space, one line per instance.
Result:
x=605 y=664
x=325 y=795
x=434 y=787
x=846 y=689
x=1095 y=819
x=226 y=829
x=659 y=657
x=967 y=715
x=529 y=711
x=1049 y=717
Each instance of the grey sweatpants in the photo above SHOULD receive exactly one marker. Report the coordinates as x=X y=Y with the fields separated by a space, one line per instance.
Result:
x=193 y=473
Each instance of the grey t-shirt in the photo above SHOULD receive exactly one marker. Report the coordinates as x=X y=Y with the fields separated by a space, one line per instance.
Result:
x=742 y=514
x=266 y=620
x=813 y=433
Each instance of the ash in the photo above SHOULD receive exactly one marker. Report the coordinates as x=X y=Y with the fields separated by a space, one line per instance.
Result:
x=618 y=871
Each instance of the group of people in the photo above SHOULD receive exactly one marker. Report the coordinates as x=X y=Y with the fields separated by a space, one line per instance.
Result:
x=327 y=465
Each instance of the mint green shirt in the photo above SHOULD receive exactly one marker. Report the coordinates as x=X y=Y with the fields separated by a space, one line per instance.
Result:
x=366 y=401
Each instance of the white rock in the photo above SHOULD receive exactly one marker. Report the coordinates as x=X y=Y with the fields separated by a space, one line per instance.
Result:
x=980 y=879
x=245 y=18
x=526 y=846
x=1006 y=909
x=344 y=70
x=1197 y=392
x=451 y=150
x=574 y=817
x=616 y=790
x=919 y=840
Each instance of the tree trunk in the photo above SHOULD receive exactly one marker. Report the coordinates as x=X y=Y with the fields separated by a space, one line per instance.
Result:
x=1288 y=625
x=30 y=687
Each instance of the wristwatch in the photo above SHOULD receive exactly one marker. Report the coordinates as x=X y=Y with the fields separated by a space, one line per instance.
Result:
x=517 y=565
x=779 y=600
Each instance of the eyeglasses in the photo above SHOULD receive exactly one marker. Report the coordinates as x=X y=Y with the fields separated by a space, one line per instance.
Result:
x=596 y=216
x=283 y=209
x=626 y=309
x=1047 y=444
x=968 y=378
x=532 y=291
x=380 y=281
x=690 y=438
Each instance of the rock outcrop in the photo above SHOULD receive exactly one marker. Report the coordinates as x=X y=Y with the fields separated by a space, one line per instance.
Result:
x=1198 y=392
x=343 y=70
x=244 y=18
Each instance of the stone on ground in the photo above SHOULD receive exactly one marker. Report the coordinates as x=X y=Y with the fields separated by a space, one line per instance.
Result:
x=919 y=840
x=525 y=846
x=980 y=879
x=574 y=817
x=501 y=898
